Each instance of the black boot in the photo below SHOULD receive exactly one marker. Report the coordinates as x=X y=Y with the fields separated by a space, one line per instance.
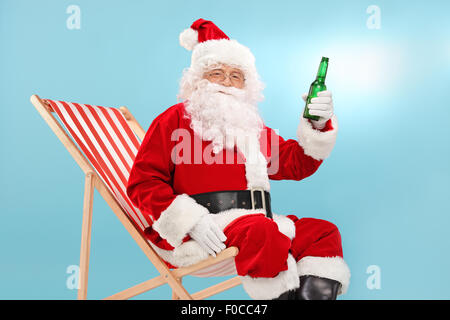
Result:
x=288 y=295
x=317 y=288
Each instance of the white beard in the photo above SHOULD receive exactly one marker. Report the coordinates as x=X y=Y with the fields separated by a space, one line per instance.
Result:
x=223 y=118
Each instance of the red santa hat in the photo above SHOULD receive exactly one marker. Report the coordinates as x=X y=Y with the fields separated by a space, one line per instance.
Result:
x=210 y=46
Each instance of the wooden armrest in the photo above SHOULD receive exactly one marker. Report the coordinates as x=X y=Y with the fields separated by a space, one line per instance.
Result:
x=221 y=256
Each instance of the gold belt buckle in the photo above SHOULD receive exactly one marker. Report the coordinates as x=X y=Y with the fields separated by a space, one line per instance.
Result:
x=263 y=198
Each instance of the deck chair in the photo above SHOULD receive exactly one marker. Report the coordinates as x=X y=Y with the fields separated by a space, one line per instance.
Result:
x=104 y=142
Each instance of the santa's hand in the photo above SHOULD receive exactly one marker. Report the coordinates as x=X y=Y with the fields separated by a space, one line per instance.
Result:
x=321 y=106
x=208 y=235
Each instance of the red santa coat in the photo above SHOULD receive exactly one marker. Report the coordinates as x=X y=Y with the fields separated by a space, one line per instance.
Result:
x=173 y=163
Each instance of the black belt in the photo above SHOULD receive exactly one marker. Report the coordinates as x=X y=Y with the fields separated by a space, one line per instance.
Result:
x=219 y=201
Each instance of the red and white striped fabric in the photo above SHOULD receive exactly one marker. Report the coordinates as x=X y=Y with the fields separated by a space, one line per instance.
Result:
x=106 y=139
x=108 y=142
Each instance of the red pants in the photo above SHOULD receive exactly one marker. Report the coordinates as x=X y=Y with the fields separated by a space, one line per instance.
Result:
x=263 y=249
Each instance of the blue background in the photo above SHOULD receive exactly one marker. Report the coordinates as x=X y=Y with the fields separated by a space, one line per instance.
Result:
x=386 y=185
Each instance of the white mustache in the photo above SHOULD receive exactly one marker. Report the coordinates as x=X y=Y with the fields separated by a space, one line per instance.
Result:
x=232 y=91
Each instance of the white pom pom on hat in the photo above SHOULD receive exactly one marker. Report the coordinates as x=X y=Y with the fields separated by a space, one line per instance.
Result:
x=189 y=38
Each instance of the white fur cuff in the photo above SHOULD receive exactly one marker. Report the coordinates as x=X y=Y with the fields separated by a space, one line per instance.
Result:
x=271 y=288
x=178 y=219
x=317 y=144
x=333 y=268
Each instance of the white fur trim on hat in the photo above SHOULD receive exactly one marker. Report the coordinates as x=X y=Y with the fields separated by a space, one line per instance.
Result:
x=333 y=268
x=178 y=219
x=189 y=38
x=317 y=144
x=271 y=288
x=223 y=51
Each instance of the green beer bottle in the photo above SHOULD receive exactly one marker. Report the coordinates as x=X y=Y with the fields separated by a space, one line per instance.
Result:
x=317 y=86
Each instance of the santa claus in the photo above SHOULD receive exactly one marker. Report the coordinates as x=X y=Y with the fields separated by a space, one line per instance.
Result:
x=201 y=177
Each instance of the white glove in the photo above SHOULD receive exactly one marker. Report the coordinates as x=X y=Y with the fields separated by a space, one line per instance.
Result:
x=321 y=106
x=208 y=235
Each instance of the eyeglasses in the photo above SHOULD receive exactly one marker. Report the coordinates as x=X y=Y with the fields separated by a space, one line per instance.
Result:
x=218 y=75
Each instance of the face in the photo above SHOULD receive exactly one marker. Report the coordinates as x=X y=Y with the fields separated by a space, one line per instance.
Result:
x=226 y=76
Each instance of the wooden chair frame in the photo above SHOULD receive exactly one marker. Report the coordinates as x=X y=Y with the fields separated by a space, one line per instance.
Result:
x=92 y=181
